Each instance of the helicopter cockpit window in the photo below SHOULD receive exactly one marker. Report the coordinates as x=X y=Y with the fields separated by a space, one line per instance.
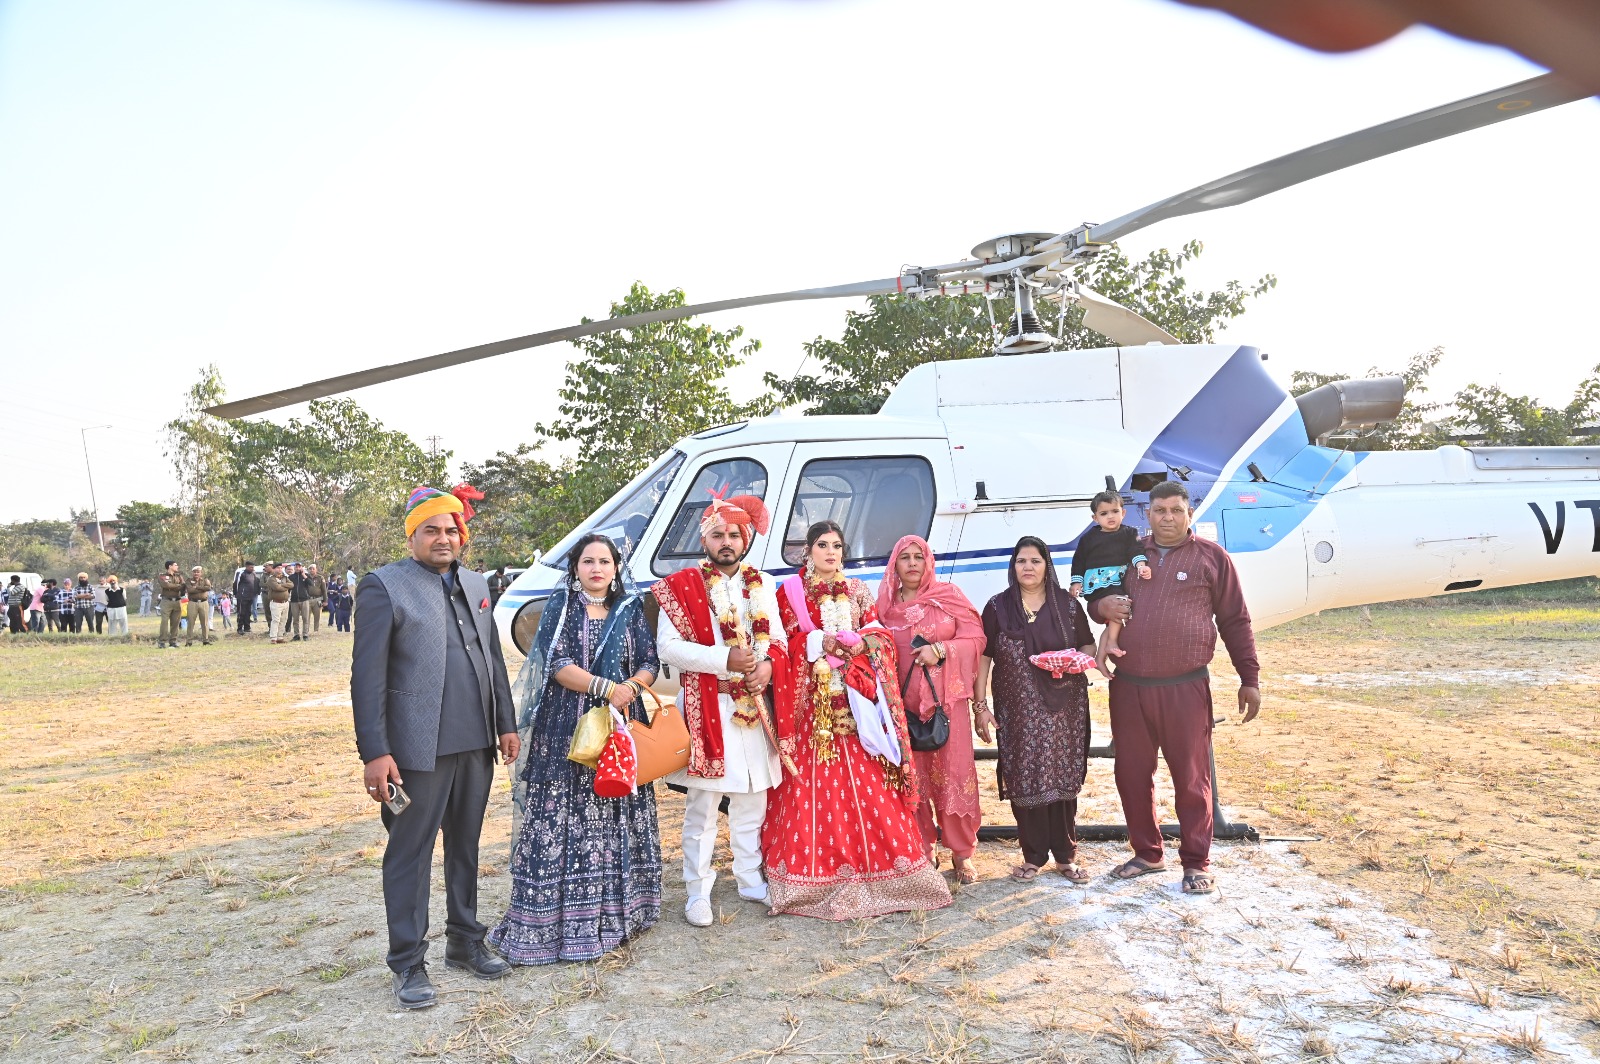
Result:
x=625 y=517
x=875 y=501
x=680 y=547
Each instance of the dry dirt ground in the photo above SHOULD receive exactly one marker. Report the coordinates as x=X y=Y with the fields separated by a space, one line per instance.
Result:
x=189 y=871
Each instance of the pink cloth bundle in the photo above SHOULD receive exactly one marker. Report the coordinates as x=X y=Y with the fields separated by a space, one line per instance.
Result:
x=1057 y=662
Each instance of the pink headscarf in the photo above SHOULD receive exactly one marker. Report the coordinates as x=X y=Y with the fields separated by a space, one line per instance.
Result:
x=963 y=649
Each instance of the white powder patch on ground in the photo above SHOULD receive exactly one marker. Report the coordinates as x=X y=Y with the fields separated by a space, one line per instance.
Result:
x=1436 y=677
x=1278 y=965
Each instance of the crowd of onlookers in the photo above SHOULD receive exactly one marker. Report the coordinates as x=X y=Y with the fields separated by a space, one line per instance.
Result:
x=290 y=599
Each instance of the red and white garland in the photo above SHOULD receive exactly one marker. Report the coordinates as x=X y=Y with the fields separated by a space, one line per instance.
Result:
x=747 y=707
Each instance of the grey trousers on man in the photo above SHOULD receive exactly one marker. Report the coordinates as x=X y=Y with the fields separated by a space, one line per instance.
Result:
x=454 y=797
x=300 y=619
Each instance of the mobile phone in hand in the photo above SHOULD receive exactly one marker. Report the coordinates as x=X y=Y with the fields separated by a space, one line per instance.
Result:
x=398 y=800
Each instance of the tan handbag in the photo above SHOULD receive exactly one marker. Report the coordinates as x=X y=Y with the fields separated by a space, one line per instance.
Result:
x=589 y=737
x=663 y=744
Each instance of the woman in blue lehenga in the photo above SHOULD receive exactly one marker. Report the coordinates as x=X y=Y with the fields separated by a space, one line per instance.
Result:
x=585 y=870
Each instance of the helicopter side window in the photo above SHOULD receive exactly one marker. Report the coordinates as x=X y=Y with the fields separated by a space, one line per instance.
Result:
x=875 y=501
x=680 y=547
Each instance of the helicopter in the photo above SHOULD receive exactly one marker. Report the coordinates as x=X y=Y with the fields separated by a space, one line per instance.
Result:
x=1309 y=525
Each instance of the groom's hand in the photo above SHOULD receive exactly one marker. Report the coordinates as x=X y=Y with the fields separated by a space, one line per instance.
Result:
x=741 y=659
x=760 y=676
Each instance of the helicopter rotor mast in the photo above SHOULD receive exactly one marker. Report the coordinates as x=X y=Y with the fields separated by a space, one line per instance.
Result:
x=1026 y=265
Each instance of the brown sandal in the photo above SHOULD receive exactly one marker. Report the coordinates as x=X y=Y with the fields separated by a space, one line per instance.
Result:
x=1072 y=873
x=964 y=874
x=1199 y=883
x=1133 y=868
x=1025 y=873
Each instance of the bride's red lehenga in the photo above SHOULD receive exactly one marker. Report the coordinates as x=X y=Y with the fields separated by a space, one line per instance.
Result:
x=840 y=840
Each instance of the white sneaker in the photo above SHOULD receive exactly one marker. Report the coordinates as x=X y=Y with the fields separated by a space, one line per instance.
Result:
x=698 y=912
x=764 y=898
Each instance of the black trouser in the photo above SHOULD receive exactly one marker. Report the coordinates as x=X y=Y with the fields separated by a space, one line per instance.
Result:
x=1043 y=829
x=14 y=619
x=242 y=620
x=453 y=797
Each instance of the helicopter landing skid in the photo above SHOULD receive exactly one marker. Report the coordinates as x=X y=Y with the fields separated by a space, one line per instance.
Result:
x=1222 y=829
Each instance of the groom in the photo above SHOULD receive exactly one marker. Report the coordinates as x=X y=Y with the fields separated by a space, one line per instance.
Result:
x=719 y=626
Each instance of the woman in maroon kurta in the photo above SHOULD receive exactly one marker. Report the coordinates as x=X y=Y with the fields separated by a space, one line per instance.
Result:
x=1044 y=722
x=912 y=603
x=840 y=840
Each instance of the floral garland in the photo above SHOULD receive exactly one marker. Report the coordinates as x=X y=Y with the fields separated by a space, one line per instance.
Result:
x=747 y=705
x=831 y=704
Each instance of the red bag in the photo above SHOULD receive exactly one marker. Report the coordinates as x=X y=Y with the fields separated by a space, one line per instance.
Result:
x=617 y=774
x=1056 y=662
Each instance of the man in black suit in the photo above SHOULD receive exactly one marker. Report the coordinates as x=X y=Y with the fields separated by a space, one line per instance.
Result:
x=430 y=695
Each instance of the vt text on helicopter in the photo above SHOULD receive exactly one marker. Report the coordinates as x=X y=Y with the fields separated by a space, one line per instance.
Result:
x=1309 y=526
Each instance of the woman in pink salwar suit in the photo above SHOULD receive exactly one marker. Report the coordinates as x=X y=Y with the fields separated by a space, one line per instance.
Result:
x=912 y=603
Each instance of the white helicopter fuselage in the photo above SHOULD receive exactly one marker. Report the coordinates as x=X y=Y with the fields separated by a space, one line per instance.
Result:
x=973 y=454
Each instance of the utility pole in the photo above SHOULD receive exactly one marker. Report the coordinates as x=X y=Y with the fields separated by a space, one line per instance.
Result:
x=99 y=533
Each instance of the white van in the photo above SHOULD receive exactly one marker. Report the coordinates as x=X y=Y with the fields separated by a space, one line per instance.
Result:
x=31 y=581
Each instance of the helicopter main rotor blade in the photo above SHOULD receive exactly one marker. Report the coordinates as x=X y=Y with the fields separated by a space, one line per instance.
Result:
x=362 y=378
x=1122 y=326
x=1525 y=97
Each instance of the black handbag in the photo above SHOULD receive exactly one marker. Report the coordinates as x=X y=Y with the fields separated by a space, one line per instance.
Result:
x=933 y=733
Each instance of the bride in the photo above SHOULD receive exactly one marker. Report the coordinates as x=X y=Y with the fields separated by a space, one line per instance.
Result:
x=840 y=840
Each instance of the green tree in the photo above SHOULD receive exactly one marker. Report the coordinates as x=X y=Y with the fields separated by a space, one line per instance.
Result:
x=528 y=504
x=1417 y=427
x=633 y=393
x=896 y=333
x=143 y=543
x=1502 y=419
x=200 y=448
x=330 y=487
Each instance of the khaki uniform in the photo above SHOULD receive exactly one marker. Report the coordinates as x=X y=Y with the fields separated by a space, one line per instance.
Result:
x=199 y=589
x=317 y=585
x=172 y=586
x=276 y=587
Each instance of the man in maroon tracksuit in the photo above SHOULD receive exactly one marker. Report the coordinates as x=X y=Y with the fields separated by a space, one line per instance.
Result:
x=1161 y=694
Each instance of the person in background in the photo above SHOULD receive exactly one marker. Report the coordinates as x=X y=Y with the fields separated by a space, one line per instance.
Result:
x=145 y=592
x=938 y=638
x=199 y=591
x=350 y=579
x=275 y=592
x=83 y=599
x=341 y=609
x=36 y=610
x=299 y=603
x=497 y=585
x=172 y=584
x=223 y=603
x=116 y=607
x=64 y=607
x=246 y=589
x=316 y=596
x=17 y=598
x=100 y=608
x=52 y=607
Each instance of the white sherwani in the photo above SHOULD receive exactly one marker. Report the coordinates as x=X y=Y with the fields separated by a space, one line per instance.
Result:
x=752 y=761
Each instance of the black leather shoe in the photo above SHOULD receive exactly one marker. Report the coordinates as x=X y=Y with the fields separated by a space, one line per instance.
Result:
x=413 y=989
x=473 y=956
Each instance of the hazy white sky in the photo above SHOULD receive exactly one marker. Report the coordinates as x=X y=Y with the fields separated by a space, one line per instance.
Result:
x=301 y=188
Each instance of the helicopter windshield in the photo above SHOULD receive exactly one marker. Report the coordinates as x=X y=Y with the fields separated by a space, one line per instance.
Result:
x=626 y=515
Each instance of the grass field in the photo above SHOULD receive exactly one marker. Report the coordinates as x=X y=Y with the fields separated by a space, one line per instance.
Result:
x=188 y=870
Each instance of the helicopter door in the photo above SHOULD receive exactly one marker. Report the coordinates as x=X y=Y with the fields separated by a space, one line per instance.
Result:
x=752 y=470
x=878 y=491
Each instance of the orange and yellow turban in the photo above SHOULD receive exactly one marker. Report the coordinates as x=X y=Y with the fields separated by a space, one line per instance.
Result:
x=428 y=502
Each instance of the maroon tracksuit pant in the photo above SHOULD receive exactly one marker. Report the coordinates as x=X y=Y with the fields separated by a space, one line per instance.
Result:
x=1175 y=721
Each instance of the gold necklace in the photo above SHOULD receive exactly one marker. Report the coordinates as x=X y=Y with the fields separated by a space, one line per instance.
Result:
x=1031 y=615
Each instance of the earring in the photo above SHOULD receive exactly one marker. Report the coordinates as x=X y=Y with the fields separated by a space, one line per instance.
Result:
x=616 y=583
x=576 y=585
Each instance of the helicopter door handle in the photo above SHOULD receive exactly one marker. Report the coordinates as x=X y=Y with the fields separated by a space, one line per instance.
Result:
x=1266 y=530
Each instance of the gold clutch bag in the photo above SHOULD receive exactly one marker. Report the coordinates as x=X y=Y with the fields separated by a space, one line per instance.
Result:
x=589 y=737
